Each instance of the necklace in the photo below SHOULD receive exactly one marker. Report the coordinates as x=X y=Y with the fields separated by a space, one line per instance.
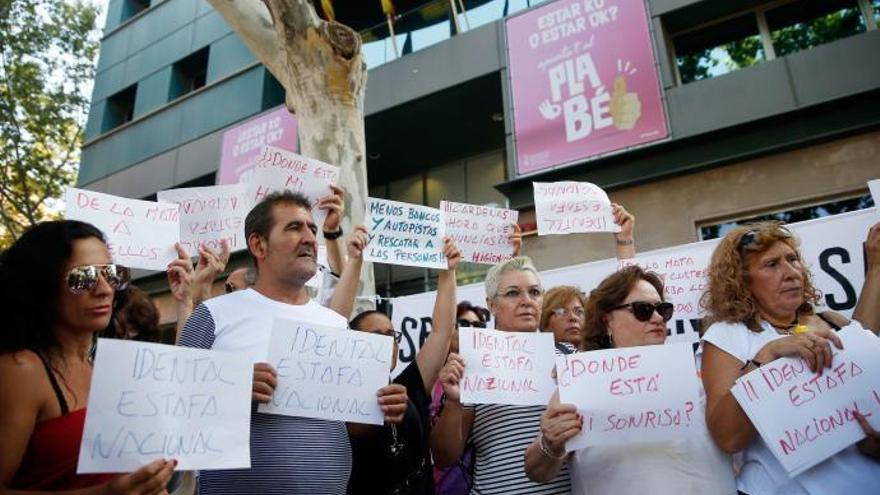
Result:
x=784 y=329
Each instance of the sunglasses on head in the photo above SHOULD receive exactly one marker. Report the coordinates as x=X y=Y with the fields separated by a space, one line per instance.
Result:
x=750 y=238
x=85 y=278
x=643 y=311
x=471 y=323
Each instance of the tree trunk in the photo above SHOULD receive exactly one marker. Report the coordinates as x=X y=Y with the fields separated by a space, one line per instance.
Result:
x=321 y=67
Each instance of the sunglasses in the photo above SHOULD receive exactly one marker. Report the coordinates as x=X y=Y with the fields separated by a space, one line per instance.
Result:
x=643 y=311
x=750 y=238
x=471 y=323
x=85 y=278
x=398 y=336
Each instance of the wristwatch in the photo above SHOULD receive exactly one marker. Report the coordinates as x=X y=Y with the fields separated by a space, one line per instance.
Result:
x=330 y=236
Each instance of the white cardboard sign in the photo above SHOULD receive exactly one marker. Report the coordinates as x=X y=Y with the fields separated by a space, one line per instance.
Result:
x=506 y=367
x=804 y=417
x=140 y=234
x=569 y=207
x=209 y=215
x=632 y=394
x=150 y=401
x=480 y=232
x=404 y=234
x=328 y=373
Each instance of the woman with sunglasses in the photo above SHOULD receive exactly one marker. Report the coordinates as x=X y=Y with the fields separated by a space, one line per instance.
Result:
x=58 y=294
x=396 y=459
x=626 y=309
x=759 y=303
x=498 y=433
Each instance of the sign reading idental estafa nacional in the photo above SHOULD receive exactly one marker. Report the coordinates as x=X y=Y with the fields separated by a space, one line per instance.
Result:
x=584 y=81
x=243 y=143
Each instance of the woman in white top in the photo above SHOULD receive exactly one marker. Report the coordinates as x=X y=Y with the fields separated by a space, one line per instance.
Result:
x=627 y=309
x=760 y=307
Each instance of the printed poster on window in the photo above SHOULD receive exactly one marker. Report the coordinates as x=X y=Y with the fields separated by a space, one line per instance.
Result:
x=584 y=81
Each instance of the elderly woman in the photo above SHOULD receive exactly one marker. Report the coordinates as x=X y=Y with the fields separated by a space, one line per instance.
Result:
x=498 y=433
x=760 y=303
x=627 y=309
x=59 y=296
x=563 y=315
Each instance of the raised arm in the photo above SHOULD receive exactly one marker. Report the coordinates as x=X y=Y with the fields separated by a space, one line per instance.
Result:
x=433 y=353
x=334 y=203
x=867 y=310
x=346 y=289
x=449 y=435
x=625 y=239
x=546 y=454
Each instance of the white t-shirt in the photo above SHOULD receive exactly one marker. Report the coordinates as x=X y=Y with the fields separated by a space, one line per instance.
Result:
x=693 y=466
x=762 y=474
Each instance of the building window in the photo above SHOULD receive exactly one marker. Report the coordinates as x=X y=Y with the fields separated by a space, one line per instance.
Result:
x=876 y=8
x=719 y=48
x=714 y=231
x=131 y=8
x=189 y=74
x=804 y=24
x=119 y=109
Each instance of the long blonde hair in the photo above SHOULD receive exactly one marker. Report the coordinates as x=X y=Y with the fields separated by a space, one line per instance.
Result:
x=728 y=297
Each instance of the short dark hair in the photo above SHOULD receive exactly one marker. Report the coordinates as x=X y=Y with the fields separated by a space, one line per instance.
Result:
x=32 y=269
x=465 y=306
x=260 y=219
x=355 y=323
x=609 y=294
x=135 y=311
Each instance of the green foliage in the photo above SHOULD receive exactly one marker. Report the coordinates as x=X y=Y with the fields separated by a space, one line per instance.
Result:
x=47 y=55
x=824 y=29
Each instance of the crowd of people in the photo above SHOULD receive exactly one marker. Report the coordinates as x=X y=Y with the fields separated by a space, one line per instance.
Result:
x=761 y=305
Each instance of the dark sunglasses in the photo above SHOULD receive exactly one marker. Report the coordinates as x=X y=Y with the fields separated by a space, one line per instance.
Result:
x=468 y=323
x=398 y=336
x=85 y=278
x=643 y=311
x=751 y=237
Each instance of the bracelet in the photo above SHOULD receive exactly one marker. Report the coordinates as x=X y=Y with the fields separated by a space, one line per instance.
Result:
x=622 y=242
x=751 y=361
x=331 y=236
x=546 y=450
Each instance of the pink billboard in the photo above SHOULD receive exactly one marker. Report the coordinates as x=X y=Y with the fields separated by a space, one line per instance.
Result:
x=584 y=81
x=243 y=143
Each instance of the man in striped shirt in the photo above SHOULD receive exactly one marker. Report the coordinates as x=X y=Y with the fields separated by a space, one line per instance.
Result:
x=289 y=455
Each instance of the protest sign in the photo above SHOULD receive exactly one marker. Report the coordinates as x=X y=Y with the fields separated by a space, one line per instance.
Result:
x=506 y=367
x=583 y=80
x=806 y=417
x=151 y=401
x=328 y=373
x=243 y=143
x=209 y=215
x=140 y=234
x=631 y=394
x=874 y=186
x=572 y=207
x=404 y=234
x=480 y=232
x=277 y=170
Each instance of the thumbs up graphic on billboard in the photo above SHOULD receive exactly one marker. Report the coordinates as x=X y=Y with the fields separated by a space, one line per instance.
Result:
x=625 y=107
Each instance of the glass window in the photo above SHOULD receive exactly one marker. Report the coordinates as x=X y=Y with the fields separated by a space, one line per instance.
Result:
x=119 y=109
x=876 y=8
x=806 y=23
x=718 y=48
x=131 y=8
x=790 y=216
x=189 y=74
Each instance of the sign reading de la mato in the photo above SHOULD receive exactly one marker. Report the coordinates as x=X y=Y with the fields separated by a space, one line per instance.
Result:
x=482 y=233
x=243 y=143
x=806 y=417
x=328 y=373
x=506 y=367
x=583 y=80
x=631 y=394
x=404 y=234
x=277 y=170
x=151 y=401
x=140 y=234
x=569 y=207
x=209 y=215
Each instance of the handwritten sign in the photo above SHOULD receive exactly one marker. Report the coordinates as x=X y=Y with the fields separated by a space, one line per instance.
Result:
x=151 y=401
x=874 y=186
x=140 y=234
x=209 y=215
x=480 y=232
x=572 y=207
x=277 y=169
x=631 y=394
x=328 y=373
x=805 y=417
x=404 y=234
x=506 y=367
